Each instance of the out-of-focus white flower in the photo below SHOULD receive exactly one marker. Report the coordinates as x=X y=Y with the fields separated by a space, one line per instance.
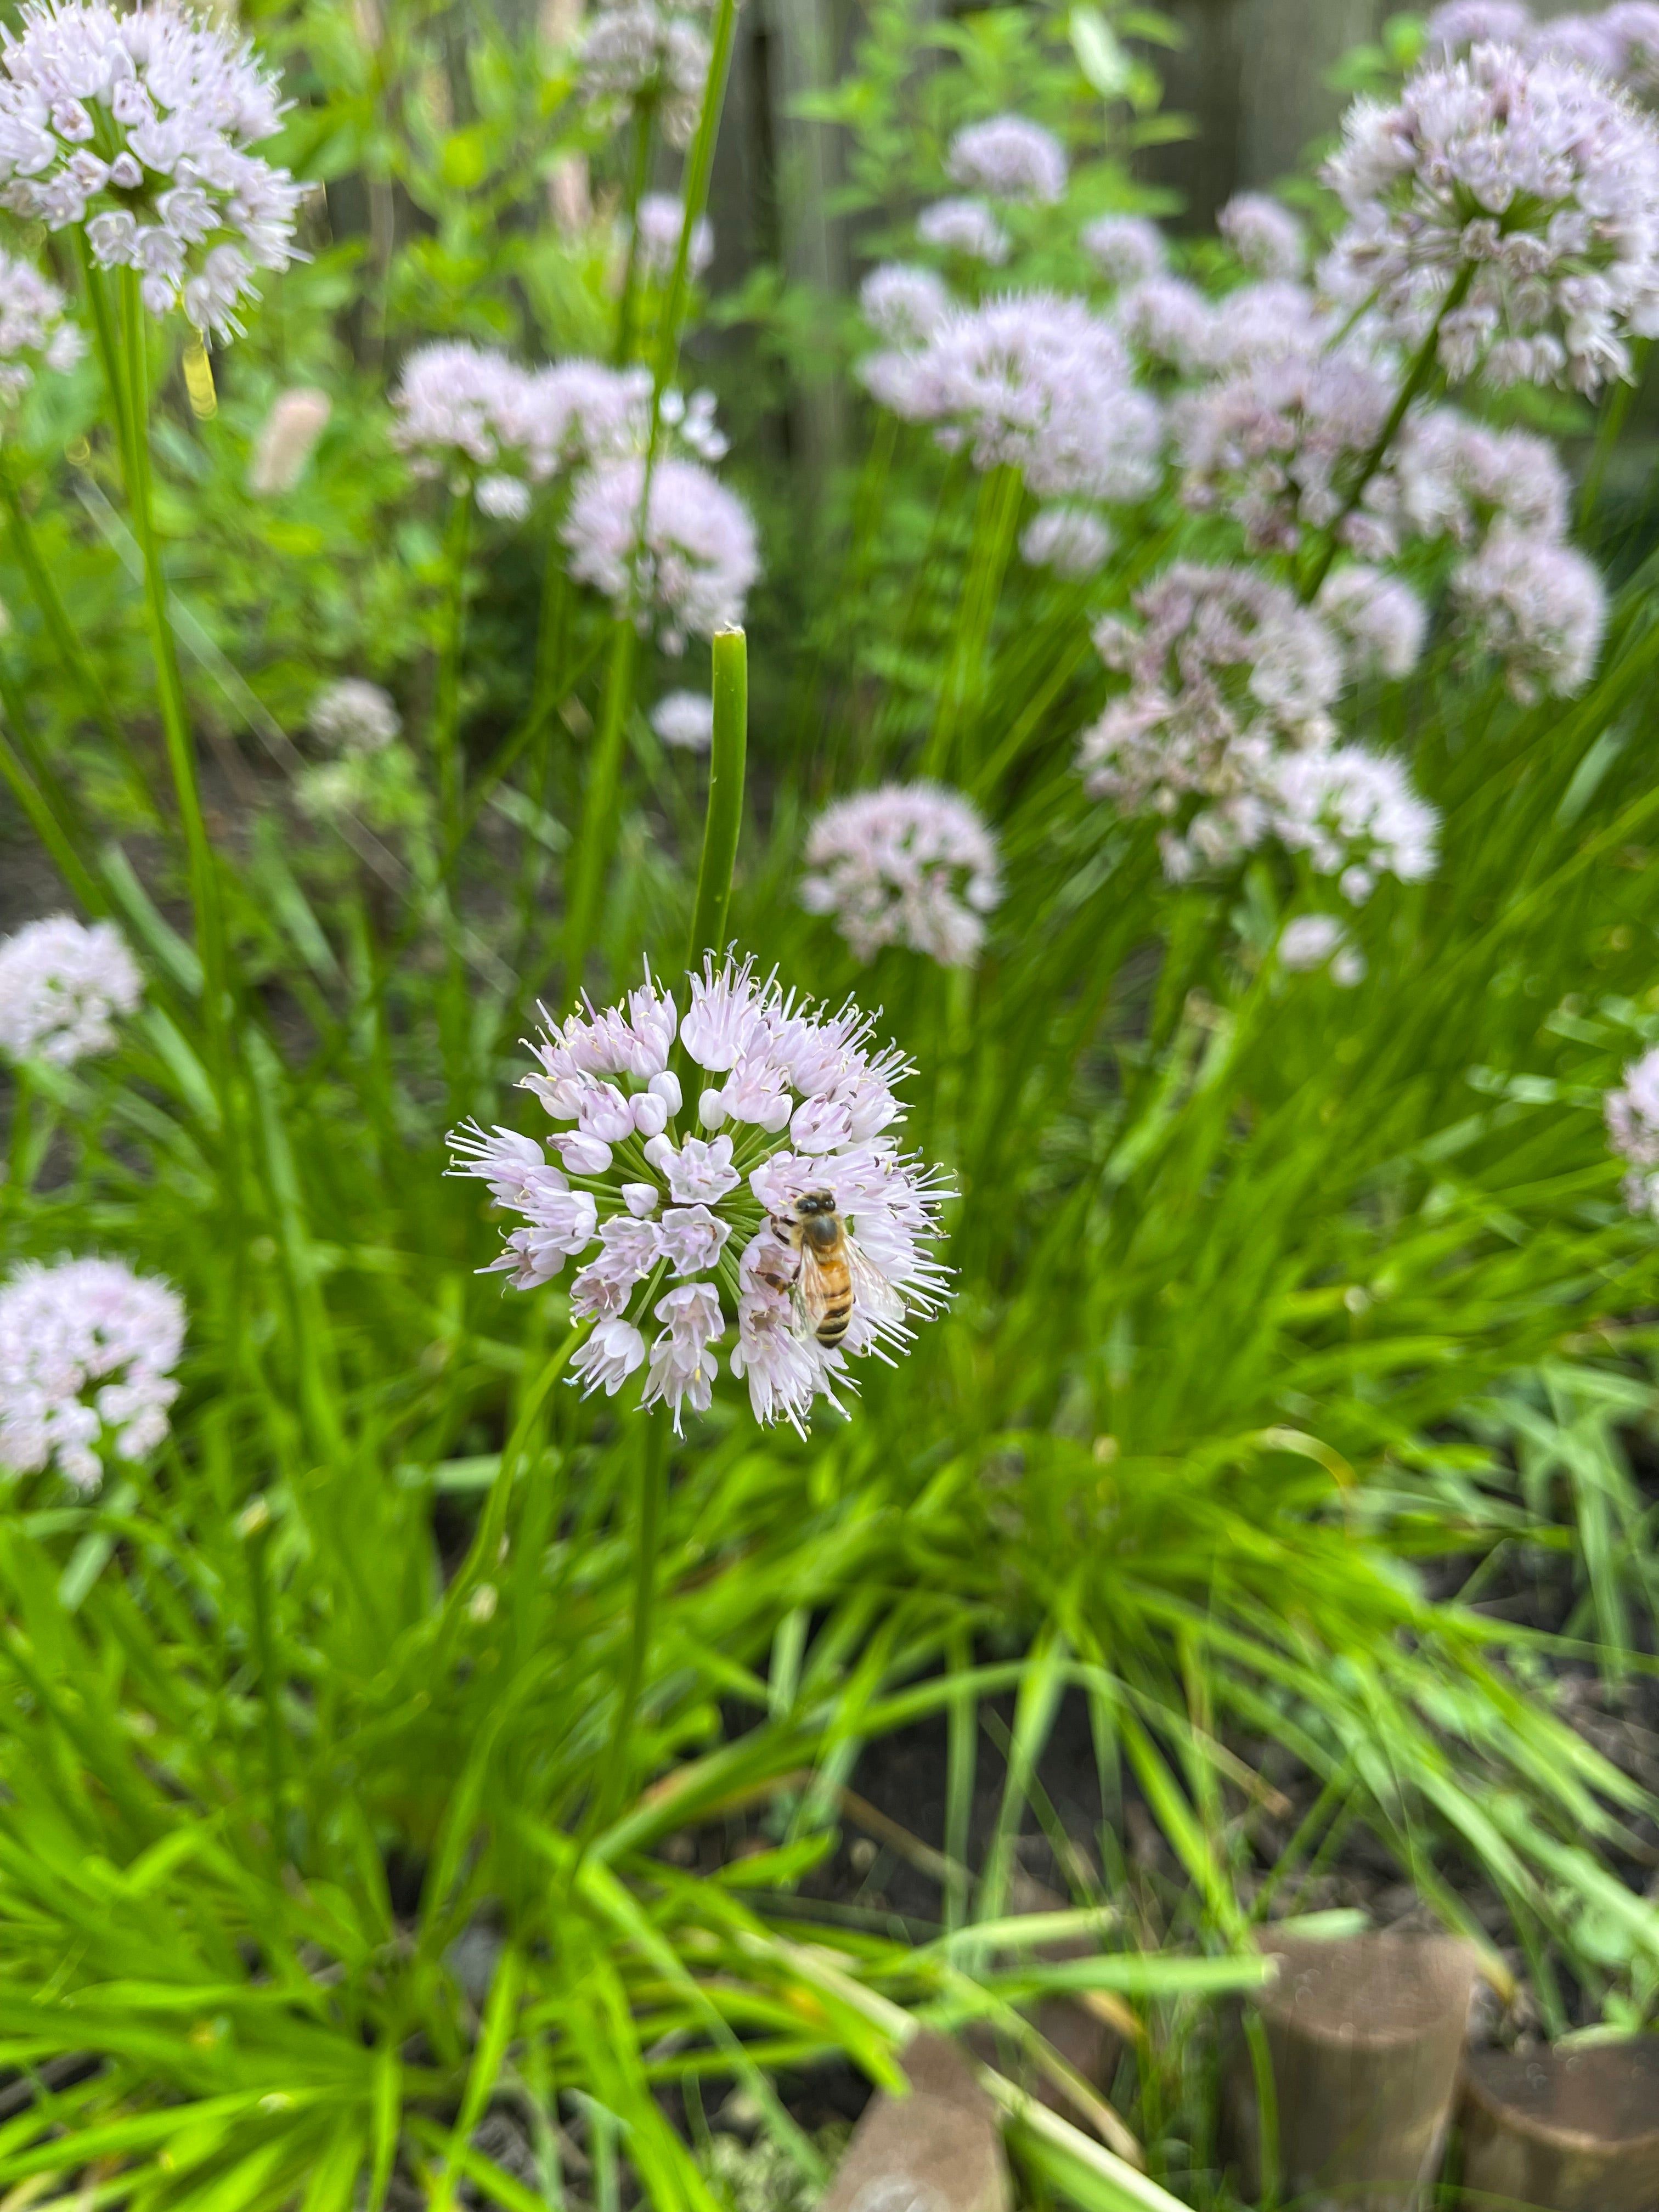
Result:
x=1458 y=477
x=1034 y=382
x=1226 y=672
x=684 y=719
x=287 y=440
x=633 y=50
x=903 y=303
x=458 y=405
x=1634 y=25
x=1169 y=322
x=1266 y=322
x=134 y=128
x=1355 y=815
x=33 y=334
x=63 y=983
x=577 y=411
x=1379 y=618
x=1280 y=444
x=657 y=225
x=966 y=227
x=1312 y=939
x=1463 y=23
x=354 y=716
x=503 y=498
x=910 y=864
x=1536 y=605
x=1070 y=540
x=1632 y=1118
x=1264 y=234
x=699 y=559
x=1532 y=183
x=677 y=1231
x=86 y=1353
x=1589 y=40
x=1127 y=249
x=1010 y=158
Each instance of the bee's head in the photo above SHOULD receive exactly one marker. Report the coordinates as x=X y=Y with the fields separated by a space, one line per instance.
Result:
x=816 y=1202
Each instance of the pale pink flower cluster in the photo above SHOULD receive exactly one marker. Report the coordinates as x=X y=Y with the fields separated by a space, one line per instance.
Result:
x=1035 y=382
x=1127 y=249
x=1270 y=320
x=1320 y=940
x=1226 y=737
x=1280 y=446
x=684 y=719
x=1382 y=622
x=635 y=50
x=33 y=334
x=1264 y=234
x=1070 y=540
x=669 y=1202
x=1632 y=1117
x=1168 y=323
x=1457 y=478
x=1536 y=604
x=456 y=407
x=1463 y=23
x=693 y=568
x=134 y=128
x=288 y=439
x=1621 y=42
x=1009 y=158
x=903 y=303
x=912 y=864
x=86 y=1353
x=62 y=984
x=354 y=716
x=1533 y=183
x=966 y=227
x=657 y=224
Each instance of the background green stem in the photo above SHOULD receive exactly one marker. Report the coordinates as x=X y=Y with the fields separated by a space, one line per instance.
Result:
x=70 y=647
x=653 y=1480
x=451 y=638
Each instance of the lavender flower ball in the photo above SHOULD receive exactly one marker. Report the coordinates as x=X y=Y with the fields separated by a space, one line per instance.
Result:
x=911 y=865
x=965 y=226
x=903 y=304
x=134 y=128
x=1355 y=815
x=1265 y=236
x=1127 y=249
x=456 y=404
x=1381 y=621
x=1462 y=23
x=63 y=985
x=1536 y=606
x=657 y=225
x=685 y=720
x=699 y=559
x=86 y=1353
x=671 y=1206
x=1009 y=158
x=1069 y=540
x=354 y=716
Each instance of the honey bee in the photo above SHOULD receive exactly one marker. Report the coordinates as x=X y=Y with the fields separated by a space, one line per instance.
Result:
x=832 y=1275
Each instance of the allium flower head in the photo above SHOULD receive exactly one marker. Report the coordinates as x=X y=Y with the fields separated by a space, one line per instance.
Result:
x=1278 y=446
x=1169 y=322
x=1379 y=617
x=903 y=304
x=1070 y=540
x=699 y=560
x=1632 y=1117
x=671 y=1206
x=456 y=406
x=62 y=984
x=1272 y=320
x=1010 y=158
x=1355 y=815
x=86 y=1353
x=1127 y=249
x=1589 y=40
x=1634 y=24
x=1534 y=183
x=577 y=411
x=657 y=225
x=1034 y=382
x=33 y=334
x=1314 y=940
x=354 y=716
x=912 y=864
x=288 y=440
x=1226 y=672
x=1264 y=234
x=1458 y=477
x=633 y=50
x=1462 y=23
x=965 y=226
x=135 y=128
x=1537 y=606
x=684 y=719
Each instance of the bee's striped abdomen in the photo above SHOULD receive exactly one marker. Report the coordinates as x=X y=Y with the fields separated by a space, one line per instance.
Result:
x=837 y=1312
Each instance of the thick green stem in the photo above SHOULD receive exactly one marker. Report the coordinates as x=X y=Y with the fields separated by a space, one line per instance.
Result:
x=653 y=1468
x=724 y=820
x=1417 y=376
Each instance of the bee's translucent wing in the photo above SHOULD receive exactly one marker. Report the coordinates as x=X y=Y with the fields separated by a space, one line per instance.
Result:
x=872 y=1291
x=813 y=1295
